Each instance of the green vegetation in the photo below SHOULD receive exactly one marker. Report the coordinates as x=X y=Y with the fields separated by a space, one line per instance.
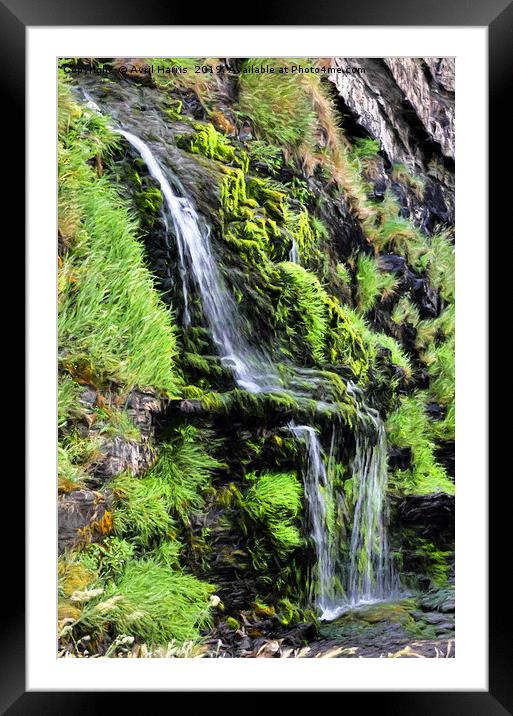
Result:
x=157 y=604
x=220 y=499
x=111 y=321
x=302 y=290
x=266 y=154
x=278 y=107
x=179 y=73
x=435 y=560
x=185 y=467
x=409 y=426
x=439 y=262
x=405 y=312
x=372 y=284
x=366 y=147
x=274 y=503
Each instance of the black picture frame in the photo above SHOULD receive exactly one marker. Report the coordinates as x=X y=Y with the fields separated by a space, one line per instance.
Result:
x=497 y=15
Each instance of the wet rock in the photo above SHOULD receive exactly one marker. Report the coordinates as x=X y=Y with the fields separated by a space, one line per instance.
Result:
x=441 y=600
x=438 y=202
x=399 y=458
x=190 y=406
x=444 y=454
x=83 y=516
x=430 y=515
x=393 y=263
x=347 y=233
x=425 y=297
x=431 y=98
x=374 y=172
x=434 y=411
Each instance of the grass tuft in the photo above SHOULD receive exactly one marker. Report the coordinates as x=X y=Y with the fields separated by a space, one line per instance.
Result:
x=151 y=601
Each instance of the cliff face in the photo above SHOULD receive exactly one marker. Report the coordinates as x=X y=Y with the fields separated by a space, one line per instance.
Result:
x=398 y=100
x=408 y=106
x=307 y=226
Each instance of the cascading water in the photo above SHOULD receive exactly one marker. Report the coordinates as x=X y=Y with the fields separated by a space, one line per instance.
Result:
x=317 y=488
x=294 y=252
x=370 y=576
x=251 y=369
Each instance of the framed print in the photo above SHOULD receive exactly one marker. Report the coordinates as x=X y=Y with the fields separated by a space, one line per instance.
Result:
x=257 y=355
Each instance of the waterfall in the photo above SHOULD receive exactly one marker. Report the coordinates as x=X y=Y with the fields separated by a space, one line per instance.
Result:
x=369 y=576
x=317 y=488
x=294 y=252
x=252 y=370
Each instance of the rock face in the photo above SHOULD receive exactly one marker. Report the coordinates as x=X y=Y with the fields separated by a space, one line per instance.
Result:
x=430 y=90
x=83 y=517
x=384 y=97
x=407 y=104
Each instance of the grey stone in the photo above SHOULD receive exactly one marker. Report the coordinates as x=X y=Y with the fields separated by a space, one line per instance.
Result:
x=79 y=515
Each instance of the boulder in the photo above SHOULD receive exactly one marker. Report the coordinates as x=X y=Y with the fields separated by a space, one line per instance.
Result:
x=83 y=517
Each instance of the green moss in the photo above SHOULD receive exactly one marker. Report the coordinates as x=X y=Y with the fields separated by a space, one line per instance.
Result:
x=173 y=108
x=372 y=283
x=210 y=143
x=302 y=308
x=434 y=559
x=71 y=475
x=149 y=202
x=185 y=468
x=436 y=344
x=343 y=273
x=67 y=399
x=440 y=265
x=109 y=558
x=262 y=153
x=273 y=201
x=306 y=233
x=273 y=503
x=405 y=312
x=251 y=240
x=345 y=342
x=398 y=356
x=142 y=509
x=409 y=426
x=233 y=192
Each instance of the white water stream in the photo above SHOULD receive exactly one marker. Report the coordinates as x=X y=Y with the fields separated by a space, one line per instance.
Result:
x=369 y=576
